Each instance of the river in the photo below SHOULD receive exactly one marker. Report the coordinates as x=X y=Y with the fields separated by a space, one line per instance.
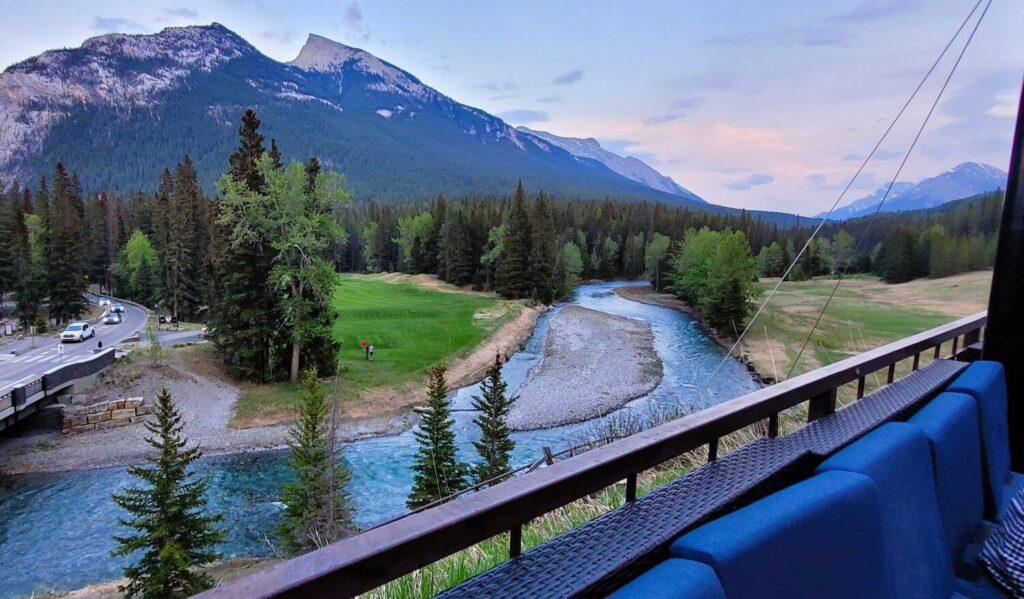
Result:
x=56 y=529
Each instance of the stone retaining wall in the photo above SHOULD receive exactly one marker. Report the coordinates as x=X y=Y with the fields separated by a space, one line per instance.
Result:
x=104 y=415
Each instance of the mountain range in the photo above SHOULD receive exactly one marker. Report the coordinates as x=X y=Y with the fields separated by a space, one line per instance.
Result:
x=961 y=181
x=627 y=166
x=120 y=108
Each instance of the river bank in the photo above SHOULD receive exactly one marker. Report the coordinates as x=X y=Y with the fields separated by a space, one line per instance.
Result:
x=207 y=400
x=646 y=294
x=593 y=363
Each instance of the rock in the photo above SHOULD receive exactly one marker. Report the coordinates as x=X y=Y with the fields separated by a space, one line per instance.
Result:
x=78 y=400
x=93 y=418
x=133 y=402
x=122 y=414
x=96 y=409
x=144 y=409
x=87 y=427
x=117 y=405
x=135 y=419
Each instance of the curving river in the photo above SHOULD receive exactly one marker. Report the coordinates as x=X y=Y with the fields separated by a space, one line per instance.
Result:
x=56 y=529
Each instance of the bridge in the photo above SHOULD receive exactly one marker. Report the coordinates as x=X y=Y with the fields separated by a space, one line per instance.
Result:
x=25 y=397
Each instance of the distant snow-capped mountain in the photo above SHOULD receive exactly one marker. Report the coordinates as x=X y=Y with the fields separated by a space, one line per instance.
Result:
x=961 y=181
x=120 y=108
x=627 y=166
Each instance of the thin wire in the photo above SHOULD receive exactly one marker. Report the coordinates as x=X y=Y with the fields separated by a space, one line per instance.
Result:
x=903 y=163
x=835 y=204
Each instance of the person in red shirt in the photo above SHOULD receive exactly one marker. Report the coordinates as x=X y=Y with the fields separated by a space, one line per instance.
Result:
x=366 y=349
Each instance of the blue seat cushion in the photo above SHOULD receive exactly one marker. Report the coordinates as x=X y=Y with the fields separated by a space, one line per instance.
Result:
x=897 y=458
x=674 y=578
x=950 y=421
x=817 y=538
x=986 y=383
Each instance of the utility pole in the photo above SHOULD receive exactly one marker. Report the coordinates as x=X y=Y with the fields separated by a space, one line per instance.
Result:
x=1005 y=327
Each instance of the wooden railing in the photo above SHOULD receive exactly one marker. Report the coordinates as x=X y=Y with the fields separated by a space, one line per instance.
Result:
x=381 y=554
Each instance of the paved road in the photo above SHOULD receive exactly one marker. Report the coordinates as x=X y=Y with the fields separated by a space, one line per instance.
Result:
x=29 y=363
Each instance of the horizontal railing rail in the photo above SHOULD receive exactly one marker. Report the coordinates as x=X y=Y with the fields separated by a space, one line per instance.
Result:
x=376 y=556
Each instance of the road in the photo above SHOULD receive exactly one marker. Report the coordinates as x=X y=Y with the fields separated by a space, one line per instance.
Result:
x=30 y=363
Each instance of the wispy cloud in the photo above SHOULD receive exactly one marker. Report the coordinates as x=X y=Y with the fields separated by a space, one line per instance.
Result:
x=117 y=25
x=751 y=181
x=524 y=116
x=497 y=86
x=689 y=103
x=663 y=118
x=875 y=10
x=573 y=76
x=179 y=13
x=283 y=36
x=353 y=23
x=549 y=100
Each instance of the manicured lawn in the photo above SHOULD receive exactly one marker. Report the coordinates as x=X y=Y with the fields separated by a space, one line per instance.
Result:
x=411 y=328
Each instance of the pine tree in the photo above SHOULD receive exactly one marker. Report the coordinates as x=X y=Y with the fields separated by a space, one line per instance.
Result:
x=495 y=445
x=316 y=509
x=172 y=533
x=243 y=311
x=312 y=171
x=437 y=473
x=181 y=254
x=65 y=261
x=512 y=277
x=8 y=251
x=544 y=251
x=250 y=148
x=275 y=155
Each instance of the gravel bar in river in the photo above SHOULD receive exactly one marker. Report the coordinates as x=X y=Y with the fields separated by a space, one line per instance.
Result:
x=593 y=363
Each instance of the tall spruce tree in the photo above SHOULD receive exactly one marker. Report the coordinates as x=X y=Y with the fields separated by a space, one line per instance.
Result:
x=544 y=251
x=244 y=312
x=312 y=172
x=65 y=261
x=495 y=445
x=316 y=511
x=172 y=533
x=512 y=276
x=437 y=472
x=8 y=251
x=182 y=268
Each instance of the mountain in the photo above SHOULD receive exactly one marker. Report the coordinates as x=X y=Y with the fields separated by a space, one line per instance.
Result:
x=961 y=181
x=120 y=108
x=627 y=166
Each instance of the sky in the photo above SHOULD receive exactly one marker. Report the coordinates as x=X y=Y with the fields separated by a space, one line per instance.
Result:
x=763 y=105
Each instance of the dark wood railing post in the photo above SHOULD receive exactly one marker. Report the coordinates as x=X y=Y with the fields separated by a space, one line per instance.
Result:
x=891 y=376
x=631 y=487
x=821 y=405
x=773 y=426
x=515 y=541
x=713 y=450
x=1005 y=318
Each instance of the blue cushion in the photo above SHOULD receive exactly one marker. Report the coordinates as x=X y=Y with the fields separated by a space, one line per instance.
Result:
x=897 y=458
x=817 y=538
x=672 y=578
x=986 y=383
x=950 y=421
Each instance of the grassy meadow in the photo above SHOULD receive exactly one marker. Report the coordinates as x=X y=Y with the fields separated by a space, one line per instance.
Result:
x=412 y=327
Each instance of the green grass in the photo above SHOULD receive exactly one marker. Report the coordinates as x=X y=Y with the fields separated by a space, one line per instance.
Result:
x=411 y=328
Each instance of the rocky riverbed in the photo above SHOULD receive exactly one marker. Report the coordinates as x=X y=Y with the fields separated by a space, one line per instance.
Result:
x=593 y=363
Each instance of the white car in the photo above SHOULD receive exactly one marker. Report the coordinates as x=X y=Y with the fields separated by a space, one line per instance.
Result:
x=104 y=301
x=116 y=308
x=112 y=318
x=77 y=331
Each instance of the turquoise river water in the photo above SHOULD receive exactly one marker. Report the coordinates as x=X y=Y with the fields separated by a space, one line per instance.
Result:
x=56 y=529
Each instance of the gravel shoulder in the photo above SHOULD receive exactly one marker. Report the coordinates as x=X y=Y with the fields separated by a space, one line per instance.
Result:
x=593 y=363
x=205 y=404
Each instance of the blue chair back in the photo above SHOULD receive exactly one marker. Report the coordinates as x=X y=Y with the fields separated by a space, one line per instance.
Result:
x=950 y=421
x=986 y=383
x=673 y=579
x=821 y=537
x=896 y=457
